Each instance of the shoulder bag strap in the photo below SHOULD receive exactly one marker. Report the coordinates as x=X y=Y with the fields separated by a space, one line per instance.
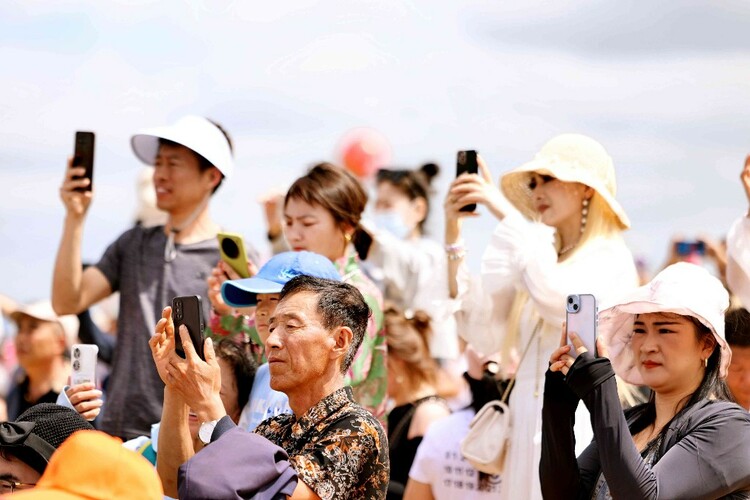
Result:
x=512 y=381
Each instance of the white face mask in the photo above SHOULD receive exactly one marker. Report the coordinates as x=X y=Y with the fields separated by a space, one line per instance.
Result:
x=391 y=221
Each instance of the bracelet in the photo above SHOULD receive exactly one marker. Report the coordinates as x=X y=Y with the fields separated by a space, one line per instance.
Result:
x=455 y=247
x=453 y=256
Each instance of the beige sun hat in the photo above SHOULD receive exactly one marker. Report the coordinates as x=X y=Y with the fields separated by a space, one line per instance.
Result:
x=570 y=158
x=681 y=288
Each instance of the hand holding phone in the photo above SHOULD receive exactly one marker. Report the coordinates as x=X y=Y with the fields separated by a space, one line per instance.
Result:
x=466 y=163
x=582 y=318
x=232 y=250
x=188 y=310
x=83 y=156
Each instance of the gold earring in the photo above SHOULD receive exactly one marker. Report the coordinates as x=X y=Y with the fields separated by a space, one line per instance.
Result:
x=347 y=237
x=705 y=362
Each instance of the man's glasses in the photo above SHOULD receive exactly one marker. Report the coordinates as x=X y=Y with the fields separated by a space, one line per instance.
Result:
x=9 y=486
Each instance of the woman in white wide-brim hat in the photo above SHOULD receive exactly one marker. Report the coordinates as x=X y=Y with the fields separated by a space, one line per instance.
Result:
x=690 y=440
x=562 y=235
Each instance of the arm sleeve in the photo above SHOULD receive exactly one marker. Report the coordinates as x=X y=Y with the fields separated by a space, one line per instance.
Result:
x=110 y=263
x=710 y=461
x=738 y=260
x=562 y=476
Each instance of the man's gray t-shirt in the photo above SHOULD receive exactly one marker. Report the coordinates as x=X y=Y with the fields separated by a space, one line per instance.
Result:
x=134 y=265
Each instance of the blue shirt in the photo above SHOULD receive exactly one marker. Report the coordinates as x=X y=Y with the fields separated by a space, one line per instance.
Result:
x=264 y=402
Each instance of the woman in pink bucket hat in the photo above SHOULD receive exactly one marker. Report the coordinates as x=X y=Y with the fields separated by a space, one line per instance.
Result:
x=561 y=233
x=690 y=440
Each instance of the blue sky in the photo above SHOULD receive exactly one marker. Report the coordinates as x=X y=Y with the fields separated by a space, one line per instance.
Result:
x=663 y=85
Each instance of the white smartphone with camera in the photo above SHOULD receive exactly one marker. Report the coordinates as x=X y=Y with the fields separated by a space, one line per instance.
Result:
x=83 y=363
x=582 y=318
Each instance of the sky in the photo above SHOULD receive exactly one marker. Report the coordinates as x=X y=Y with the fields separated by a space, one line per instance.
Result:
x=662 y=85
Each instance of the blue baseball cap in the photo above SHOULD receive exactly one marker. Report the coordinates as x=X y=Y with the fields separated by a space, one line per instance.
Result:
x=275 y=274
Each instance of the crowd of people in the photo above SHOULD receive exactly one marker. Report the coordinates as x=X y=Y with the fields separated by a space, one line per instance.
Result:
x=356 y=361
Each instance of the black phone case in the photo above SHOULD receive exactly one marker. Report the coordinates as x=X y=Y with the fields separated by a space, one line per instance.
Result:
x=188 y=310
x=84 y=156
x=466 y=162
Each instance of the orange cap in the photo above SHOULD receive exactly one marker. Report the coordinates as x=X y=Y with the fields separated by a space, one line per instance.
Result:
x=93 y=465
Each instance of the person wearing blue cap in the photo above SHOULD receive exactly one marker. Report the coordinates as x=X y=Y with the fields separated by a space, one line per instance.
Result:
x=262 y=291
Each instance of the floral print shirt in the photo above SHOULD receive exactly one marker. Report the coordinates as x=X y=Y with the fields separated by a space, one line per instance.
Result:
x=368 y=374
x=337 y=448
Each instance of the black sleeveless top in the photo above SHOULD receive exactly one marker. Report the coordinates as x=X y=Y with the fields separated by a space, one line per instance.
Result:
x=401 y=449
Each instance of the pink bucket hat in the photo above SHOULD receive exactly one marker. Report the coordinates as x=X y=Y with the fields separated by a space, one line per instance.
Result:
x=682 y=288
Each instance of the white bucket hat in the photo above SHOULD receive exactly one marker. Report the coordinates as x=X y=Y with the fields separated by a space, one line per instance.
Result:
x=681 y=288
x=570 y=158
x=193 y=132
x=42 y=310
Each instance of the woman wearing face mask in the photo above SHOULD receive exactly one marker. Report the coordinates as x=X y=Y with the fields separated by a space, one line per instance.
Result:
x=322 y=211
x=561 y=235
x=689 y=440
x=412 y=267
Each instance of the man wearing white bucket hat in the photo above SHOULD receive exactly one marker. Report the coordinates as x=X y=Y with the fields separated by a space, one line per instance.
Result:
x=690 y=440
x=147 y=265
x=560 y=234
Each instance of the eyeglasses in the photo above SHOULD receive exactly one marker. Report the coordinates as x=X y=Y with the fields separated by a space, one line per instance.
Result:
x=9 y=486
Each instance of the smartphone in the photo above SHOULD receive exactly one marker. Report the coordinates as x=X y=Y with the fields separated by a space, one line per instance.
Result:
x=188 y=310
x=83 y=156
x=232 y=250
x=582 y=318
x=83 y=363
x=466 y=162
x=690 y=247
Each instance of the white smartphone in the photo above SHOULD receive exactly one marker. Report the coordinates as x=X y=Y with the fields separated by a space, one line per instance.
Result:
x=582 y=318
x=83 y=363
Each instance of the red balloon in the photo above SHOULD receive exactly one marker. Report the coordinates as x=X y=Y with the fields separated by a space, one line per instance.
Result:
x=363 y=151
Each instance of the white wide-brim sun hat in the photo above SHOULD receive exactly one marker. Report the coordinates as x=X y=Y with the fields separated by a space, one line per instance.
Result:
x=193 y=132
x=570 y=158
x=681 y=288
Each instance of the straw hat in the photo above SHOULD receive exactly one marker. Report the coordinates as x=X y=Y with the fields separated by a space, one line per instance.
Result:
x=681 y=288
x=570 y=158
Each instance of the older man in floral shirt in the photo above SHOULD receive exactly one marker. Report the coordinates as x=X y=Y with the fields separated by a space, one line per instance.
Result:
x=336 y=447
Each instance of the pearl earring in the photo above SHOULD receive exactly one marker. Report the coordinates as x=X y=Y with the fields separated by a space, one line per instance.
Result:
x=584 y=214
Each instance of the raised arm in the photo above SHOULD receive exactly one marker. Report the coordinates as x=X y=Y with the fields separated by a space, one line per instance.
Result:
x=73 y=289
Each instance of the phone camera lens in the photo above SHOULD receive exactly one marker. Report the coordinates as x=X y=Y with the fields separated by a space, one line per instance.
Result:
x=570 y=300
x=230 y=248
x=76 y=365
x=575 y=307
x=76 y=353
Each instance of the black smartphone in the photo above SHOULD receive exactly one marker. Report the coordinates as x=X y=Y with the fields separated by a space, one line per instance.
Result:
x=466 y=162
x=188 y=310
x=690 y=247
x=83 y=156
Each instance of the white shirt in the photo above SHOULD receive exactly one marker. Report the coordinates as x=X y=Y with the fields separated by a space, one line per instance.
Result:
x=738 y=260
x=440 y=464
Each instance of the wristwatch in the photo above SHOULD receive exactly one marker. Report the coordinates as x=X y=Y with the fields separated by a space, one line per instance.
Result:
x=206 y=430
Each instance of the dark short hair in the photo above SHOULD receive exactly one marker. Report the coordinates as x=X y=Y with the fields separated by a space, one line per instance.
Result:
x=339 y=304
x=737 y=327
x=242 y=364
x=203 y=163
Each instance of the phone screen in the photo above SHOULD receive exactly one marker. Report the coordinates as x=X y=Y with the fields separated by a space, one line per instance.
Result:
x=466 y=163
